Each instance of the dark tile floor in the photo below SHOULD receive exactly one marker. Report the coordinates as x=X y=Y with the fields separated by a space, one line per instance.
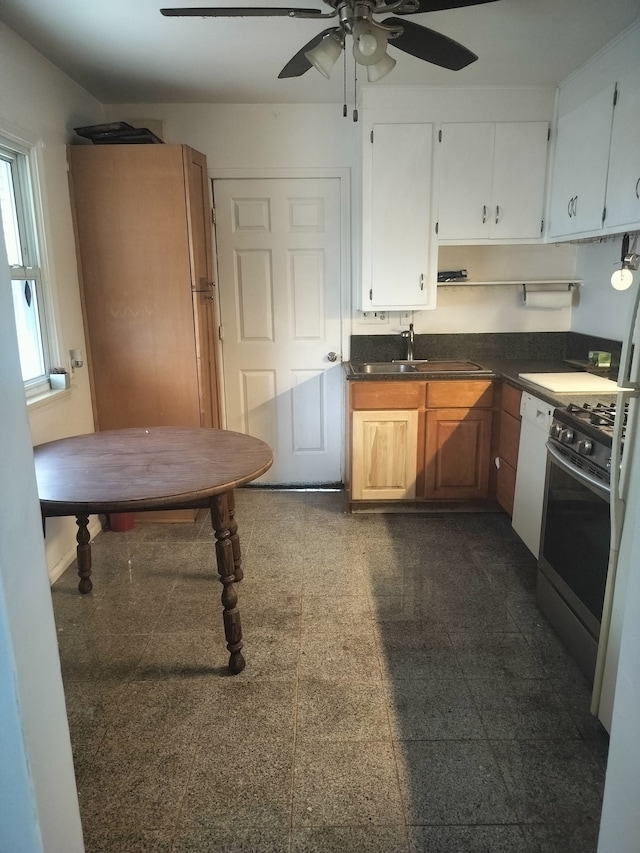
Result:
x=402 y=692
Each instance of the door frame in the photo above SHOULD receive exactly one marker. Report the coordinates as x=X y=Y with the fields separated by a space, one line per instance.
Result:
x=343 y=174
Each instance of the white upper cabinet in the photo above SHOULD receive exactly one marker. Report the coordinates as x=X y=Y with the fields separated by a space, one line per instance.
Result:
x=492 y=181
x=580 y=167
x=623 y=184
x=399 y=255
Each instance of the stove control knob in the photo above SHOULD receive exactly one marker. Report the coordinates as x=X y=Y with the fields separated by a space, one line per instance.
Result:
x=556 y=431
x=585 y=447
x=567 y=436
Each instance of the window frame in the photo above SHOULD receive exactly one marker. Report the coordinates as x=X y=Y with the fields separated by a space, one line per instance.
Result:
x=27 y=155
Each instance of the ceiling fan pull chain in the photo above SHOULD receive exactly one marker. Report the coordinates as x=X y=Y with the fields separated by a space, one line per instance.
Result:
x=344 y=83
x=355 y=91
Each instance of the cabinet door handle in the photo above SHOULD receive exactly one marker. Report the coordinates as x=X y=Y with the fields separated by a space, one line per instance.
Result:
x=638 y=188
x=570 y=207
x=575 y=205
x=497 y=213
x=484 y=213
x=421 y=281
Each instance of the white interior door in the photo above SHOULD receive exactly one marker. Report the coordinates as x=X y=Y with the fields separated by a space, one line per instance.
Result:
x=280 y=270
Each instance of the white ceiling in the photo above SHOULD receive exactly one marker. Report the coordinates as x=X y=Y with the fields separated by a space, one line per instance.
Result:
x=126 y=52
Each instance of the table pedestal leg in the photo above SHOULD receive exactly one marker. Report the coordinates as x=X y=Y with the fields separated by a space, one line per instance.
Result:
x=83 y=551
x=235 y=539
x=221 y=523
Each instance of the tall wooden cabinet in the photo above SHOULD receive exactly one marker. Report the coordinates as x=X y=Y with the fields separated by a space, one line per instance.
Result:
x=144 y=242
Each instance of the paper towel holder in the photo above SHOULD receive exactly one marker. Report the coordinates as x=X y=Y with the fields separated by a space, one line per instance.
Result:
x=569 y=285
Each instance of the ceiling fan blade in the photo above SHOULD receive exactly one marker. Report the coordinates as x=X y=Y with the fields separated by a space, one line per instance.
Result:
x=429 y=45
x=439 y=5
x=299 y=64
x=243 y=12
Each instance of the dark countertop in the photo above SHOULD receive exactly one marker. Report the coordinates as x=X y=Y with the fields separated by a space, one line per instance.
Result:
x=506 y=370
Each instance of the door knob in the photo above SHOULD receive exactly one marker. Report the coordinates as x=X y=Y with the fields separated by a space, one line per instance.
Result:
x=332 y=356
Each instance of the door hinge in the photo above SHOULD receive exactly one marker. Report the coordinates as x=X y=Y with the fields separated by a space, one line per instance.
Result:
x=440 y=135
x=220 y=334
x=371 y=136
x=615 y=95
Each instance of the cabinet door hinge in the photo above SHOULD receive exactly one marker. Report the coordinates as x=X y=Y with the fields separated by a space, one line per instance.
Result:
x=437 y=226
x=371 y=136
x=604 y=213
x=213 y=216
x=541 y=227
x=440 y=135
x=371 y=295
x=548 y=134
x=220 y=334
x=615 y=95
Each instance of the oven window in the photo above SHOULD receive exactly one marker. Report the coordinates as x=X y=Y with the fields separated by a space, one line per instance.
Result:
x=576 y=539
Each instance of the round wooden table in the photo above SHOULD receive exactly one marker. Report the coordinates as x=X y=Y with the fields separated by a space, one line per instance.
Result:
x=155 y=468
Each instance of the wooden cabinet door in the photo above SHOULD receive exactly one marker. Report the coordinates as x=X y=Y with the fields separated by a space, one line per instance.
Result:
x=399 y=264
x=458 y=446
x=199 y=218
x=580 y=167
x=384 y=454
x=623 y=183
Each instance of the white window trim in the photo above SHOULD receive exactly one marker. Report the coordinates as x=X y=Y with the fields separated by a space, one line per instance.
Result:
x=33 y=148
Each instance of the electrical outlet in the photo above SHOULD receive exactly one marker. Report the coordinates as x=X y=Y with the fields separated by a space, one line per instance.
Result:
x=377 y=317
x=406 y=317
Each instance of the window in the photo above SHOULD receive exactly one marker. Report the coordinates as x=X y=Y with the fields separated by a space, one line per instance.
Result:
x=18 y=216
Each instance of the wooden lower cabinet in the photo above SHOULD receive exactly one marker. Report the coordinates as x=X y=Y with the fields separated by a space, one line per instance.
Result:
x=421 y=441
x=508 y=444
x=457 y=454
x=384 y=452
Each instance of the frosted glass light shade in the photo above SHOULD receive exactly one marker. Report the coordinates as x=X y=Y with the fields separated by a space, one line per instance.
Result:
x=325 y=55
x=369 y=43
x=380 y=69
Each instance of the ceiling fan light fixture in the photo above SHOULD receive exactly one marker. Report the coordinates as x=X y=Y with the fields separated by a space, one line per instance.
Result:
x=369 y=43
x=325 y=55
x=380 y=69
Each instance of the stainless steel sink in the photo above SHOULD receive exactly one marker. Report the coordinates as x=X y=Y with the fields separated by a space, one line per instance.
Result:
x=444 y=366
x=388 y=367
x=420 y=366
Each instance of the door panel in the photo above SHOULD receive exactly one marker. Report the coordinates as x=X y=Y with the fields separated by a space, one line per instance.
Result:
x=279 y=255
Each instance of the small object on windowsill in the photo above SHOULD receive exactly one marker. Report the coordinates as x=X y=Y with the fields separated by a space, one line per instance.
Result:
x=452 y=275
x=59 y=379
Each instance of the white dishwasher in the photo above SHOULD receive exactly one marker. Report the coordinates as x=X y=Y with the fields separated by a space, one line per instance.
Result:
x=530 y=474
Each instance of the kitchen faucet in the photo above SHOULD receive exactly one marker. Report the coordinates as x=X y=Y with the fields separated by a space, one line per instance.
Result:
x=408 y=334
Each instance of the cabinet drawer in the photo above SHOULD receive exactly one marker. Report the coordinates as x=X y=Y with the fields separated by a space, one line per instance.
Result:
x=511 y=400
x=460 y=393
x=387 y=395
x=509 y=438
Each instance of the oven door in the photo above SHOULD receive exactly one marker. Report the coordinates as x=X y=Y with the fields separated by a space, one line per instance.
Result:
x=574 y=547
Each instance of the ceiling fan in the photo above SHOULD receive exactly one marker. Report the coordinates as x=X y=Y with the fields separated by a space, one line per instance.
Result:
x=370 y=36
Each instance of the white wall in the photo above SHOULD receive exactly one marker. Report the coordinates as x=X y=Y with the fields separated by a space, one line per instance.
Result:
x=40 y=105
x=602 y=310
x=38 y=801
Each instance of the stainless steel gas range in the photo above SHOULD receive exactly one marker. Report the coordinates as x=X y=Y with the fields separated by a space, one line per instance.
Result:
x=576 y=529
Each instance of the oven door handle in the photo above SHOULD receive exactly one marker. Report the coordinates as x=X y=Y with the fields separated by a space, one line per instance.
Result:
x=596 y=485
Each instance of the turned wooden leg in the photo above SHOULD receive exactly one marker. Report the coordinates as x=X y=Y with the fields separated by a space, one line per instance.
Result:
x=221 y=523
x=235 y=539
x=83 y=551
